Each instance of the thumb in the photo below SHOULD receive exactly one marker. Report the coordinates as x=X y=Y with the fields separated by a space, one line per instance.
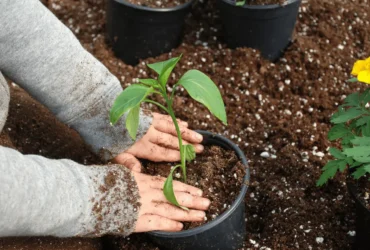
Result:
x=129 y=161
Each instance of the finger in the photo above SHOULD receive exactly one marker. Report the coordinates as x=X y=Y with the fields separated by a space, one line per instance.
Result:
x=184 y=199
x=177 y=214
x=170 y=141
x=163 y=154
x=159 y=117
x=148 y=222
x=129 y=161
x=187 y=134
x=158 y=182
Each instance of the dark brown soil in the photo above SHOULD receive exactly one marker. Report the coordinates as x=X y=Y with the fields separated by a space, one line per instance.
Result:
x=158 y=3
x=282 y=108
x=217 y=172
x=49 y=243
x=264 y=2
x=363 y=189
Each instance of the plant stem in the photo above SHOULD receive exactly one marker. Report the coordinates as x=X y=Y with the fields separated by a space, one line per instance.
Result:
x=158 y=104
x=182 y=155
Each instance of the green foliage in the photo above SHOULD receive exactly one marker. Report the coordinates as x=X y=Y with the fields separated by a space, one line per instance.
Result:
x=352 y=129
x=240 y=3
x=199 y=86
x=202 y=89
x=168 y=189
x=131 y=97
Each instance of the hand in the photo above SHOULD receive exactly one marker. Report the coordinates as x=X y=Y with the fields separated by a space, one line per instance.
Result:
x=157 y=214
x=160 y=143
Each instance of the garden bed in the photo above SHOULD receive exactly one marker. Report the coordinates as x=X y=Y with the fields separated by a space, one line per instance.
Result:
x=278 y=114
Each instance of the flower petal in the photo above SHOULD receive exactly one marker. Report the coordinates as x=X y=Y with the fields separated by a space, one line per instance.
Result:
x=358 y=67
x=364 y=76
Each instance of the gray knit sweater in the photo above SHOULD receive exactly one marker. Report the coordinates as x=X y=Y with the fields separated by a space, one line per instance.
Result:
x=40 y=196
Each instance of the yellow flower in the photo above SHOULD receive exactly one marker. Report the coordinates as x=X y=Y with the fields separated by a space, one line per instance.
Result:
x=361 y=69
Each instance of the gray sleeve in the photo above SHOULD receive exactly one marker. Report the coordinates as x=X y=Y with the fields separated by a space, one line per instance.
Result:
x=43 y=56
x=61 y=198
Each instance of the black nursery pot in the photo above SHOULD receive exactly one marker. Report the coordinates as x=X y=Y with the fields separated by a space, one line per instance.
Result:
x=225 y=232
x=267 y=28
x=137 y=32
x=362 y=220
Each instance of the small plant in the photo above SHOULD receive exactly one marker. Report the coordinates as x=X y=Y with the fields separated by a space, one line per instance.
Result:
x=199 y=86
x=240 y=3
x=352 y=128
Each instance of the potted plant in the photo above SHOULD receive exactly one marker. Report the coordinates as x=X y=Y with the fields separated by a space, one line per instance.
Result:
x=266 y=25
x=352 y=129
x=227 y=231
x=139 y=29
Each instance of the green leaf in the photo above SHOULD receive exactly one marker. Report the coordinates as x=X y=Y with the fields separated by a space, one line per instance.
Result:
x=349 y=160
x=362 y=120
x=354 y=79
x=189 y=152
x=240 y=3
x=356 y=164
x=360 y=151
x=361 y=171
x=365 y=97
x=347 y=115
x=330 y=169
x=132 y=121
x=168 y=189
x=149 y=82
x=352 y=99
x=337 y=131
x=346 y=140
x=361 y=141
x=164 y=69
x=337 y=153
x=131 y=97
x=363 y=159
x=202 y=89
x=366 y=130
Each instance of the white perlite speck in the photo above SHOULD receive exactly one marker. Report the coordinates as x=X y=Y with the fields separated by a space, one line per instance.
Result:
x=319 y=240
x=265 y=155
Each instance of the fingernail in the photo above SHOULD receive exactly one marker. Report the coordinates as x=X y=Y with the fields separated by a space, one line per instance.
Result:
x=180 y=226
x=200 y=215
x=206 y=203
x=200 y=193
x=200 y=147
x=199 y=137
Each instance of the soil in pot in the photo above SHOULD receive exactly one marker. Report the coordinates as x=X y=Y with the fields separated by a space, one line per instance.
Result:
x=264 y=2
x=218 y=172
x=363 y=190
x=158 y=3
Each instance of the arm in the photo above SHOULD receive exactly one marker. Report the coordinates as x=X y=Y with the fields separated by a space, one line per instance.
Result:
x=62 y=198
x=43 y=56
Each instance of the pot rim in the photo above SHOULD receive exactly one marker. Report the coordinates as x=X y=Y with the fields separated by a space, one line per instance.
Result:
x=234 y=205
x=158 y=10
x=261 y=7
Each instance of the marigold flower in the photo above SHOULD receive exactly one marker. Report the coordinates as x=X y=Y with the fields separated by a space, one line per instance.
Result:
x=361 y=69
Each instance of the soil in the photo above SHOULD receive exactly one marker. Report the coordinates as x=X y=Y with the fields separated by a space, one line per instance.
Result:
x=158 y=3
x=265 y=2
x=277 y=109
x=216 y=171
x=363 y=188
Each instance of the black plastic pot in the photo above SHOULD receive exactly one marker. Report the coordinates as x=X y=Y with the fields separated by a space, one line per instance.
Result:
x=362 y=220
x=225 y=232
x=267 y=28
x=137 y=32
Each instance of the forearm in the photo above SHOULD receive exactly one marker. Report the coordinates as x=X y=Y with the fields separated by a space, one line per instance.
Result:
x=42 y=55
x=61 y=198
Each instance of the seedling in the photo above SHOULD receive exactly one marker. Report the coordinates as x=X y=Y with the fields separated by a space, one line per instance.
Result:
x=352 y=128
x=199 y=86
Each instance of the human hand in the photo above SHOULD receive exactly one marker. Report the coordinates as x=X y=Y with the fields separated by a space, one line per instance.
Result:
x=157 y=214
x=160 y=143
